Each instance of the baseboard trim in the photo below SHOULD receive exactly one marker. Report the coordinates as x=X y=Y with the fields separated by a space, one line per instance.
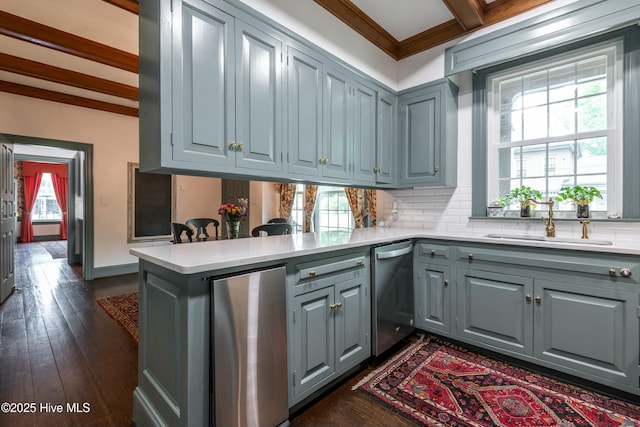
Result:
x=114 y=270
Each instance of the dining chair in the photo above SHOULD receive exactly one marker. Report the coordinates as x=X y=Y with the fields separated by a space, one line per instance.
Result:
x=271 y=229
x=177 y=229
x=278 y=221
x=200 y=226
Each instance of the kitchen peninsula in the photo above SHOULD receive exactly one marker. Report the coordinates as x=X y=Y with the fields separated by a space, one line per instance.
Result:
x=587 y=295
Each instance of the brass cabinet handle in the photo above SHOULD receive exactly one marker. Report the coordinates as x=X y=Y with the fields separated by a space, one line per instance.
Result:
x=527 y=297
x=446 y=283
x=360 y=262
x=232 y=146
x=433 y=252
x=470 y=256
x=338 y=304
x=240 y=146
x=538 y=300
x=612 y=272
x=332 y=306
x=312 y=273
x=625 y=272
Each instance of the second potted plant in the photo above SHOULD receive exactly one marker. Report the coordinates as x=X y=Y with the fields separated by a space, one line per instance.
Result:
x=582 y=196
x=522 y=195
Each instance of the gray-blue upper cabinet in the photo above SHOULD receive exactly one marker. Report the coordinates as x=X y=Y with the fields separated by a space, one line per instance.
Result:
x=364 y=133
x=386 y=138
x=210 y=91
x=304 y=112
x=428 y=128
x=335 y=160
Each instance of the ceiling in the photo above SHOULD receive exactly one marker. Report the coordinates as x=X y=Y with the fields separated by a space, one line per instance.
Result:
x=53 y=51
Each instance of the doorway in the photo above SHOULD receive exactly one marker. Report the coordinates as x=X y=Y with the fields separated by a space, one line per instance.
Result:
x=79 y=158
x=232 y=190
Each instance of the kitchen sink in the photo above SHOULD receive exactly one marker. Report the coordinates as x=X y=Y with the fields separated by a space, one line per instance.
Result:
x=549 y=239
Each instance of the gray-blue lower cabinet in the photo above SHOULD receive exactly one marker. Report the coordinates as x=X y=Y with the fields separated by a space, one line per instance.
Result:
x=329 y=321
x=432 y=293
x=567 y=310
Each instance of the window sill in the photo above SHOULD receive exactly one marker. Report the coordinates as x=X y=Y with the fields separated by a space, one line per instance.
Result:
x=555 y=219
x=46 y=222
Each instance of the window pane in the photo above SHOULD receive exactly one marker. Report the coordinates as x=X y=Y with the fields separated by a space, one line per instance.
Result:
x=563 y=118
x=600 y=182
x=46 y=206
x=592 y=155
x=535 y=90
x=592 y=113
x=562 y=83
x=535 y=122
x=563 y=158
x=510 y=110
x=592 y=76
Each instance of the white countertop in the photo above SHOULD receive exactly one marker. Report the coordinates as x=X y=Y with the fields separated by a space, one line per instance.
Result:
x=190 y=258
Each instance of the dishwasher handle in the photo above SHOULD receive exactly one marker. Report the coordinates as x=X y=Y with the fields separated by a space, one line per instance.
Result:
x=395 y=253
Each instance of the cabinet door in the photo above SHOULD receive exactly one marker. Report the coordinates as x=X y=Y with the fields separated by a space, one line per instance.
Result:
x=386 y=139
x=495 y=309
x=433 y=297
x=203 y=89
x=364 y=133
x=337 y=115
x=352 y=324
x=258 y=98
x=591 y=329
x=421 y=138
x=304 y=110
x=314 y=338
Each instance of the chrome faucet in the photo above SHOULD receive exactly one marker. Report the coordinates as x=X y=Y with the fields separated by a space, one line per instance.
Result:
x=549 y=225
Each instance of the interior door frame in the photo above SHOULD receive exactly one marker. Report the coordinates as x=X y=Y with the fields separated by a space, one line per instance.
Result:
x=87 y=175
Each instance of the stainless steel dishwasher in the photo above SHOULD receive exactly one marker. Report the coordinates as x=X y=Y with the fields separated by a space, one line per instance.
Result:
x=249 y=350
x=392 y=295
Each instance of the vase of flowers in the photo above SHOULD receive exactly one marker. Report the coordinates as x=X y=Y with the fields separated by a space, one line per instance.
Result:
x=232 y=214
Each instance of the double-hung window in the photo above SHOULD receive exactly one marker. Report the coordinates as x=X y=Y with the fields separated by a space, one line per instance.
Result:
x=561 y=118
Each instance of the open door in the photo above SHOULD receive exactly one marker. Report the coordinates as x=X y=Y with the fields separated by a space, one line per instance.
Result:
x=8 y=220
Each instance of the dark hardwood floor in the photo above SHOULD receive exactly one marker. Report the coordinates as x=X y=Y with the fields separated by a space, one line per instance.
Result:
x=58 y=347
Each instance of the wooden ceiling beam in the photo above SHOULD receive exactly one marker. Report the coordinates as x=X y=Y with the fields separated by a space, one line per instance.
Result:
x=500 y=10
x=128 y=5
x=64 y=98
x=355 y=18
x=468 y=13
x=38 y=70
x=42 y=35
x=430 y=38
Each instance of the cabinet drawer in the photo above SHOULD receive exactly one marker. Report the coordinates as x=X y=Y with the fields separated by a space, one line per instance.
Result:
x=433 y=250
x=311 y=270
x=619 y=268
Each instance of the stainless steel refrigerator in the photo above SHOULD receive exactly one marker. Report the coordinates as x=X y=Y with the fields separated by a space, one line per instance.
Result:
x=249 y=350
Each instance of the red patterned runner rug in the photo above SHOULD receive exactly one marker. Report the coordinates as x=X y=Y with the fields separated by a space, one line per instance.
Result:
x=124 y=309
x=436 y=383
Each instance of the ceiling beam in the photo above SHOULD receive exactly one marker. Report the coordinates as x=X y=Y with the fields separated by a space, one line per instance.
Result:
x=38 y=70
x=64 y=98
x=465 y=22
x=468 y=13
x=42 y=35
x=128 y=5
x=354 y=17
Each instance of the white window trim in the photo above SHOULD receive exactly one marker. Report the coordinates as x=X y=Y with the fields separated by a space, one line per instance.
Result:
x=614 y=132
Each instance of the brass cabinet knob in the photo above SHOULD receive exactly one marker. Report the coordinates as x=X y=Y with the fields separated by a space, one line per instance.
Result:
x=446 y=283
x=360 y=262
x=527 y=297
x=538 y=300
x=625 y=272
x=470 y=256
x=436 y=169
x=433 y=252
x=240 y=146
x=332 y=306
x=312 y=273
x=612 y=272
x=338 y=304
x=232 y=145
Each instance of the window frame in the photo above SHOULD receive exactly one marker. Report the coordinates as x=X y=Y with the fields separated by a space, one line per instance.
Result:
x=630 y=112
x=46 y=220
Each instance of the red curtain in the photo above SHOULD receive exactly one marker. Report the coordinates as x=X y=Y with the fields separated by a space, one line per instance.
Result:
x=31 y=187
x=60 y=188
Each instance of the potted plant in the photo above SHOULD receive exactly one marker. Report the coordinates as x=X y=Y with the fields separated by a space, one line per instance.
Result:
x=581 y=196
x=522 y=195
